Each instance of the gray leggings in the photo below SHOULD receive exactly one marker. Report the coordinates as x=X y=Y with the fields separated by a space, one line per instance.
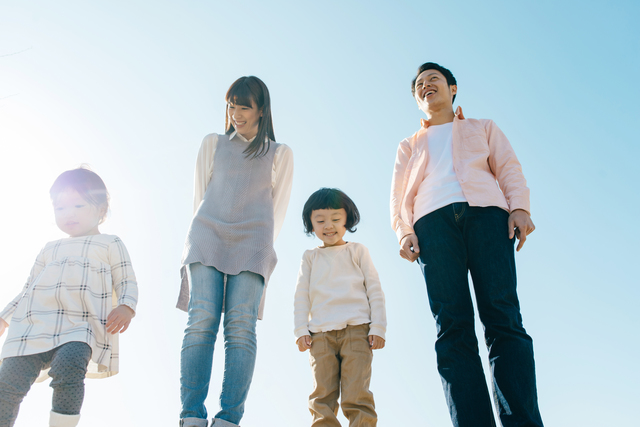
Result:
x=68 y=368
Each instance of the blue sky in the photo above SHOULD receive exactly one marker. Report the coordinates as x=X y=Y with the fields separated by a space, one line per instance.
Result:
x=131 y=88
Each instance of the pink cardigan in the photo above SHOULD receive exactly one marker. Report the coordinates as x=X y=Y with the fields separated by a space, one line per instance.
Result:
x=482 y=154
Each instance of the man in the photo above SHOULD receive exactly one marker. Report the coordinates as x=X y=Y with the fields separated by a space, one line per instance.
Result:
x=449 y=213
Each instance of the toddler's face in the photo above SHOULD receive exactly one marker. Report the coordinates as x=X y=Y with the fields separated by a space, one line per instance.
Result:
x=75 y=216
x=329 y=225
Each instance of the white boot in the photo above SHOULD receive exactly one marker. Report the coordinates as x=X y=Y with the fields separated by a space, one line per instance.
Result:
x=61 y=420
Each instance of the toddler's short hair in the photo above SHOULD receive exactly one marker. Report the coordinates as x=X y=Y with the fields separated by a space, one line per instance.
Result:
x=330 y=198
x=87 y=183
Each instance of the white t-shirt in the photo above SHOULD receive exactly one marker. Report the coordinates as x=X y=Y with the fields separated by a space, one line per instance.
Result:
x=440 y=186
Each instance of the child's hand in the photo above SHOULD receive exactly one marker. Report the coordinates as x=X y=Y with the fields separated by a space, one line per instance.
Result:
x=3 y=326
x=119 y=318
x=304 y=343
x=375 y=342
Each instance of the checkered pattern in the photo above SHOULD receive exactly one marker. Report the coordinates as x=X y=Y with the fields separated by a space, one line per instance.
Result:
x=73 y=286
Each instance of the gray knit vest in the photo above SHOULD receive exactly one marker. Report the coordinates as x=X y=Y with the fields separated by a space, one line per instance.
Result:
x=232 y=230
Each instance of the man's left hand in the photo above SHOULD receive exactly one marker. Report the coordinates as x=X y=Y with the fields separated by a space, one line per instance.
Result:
x=520 y=225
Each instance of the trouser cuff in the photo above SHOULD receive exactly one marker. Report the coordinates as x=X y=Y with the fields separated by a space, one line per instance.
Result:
x=193 y=422
x=217 y=422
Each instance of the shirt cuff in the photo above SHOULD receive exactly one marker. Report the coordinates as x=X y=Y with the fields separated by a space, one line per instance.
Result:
x=131 y=305
x=403 y=231
x=519 y=203
x=300 y=332
x=377 y=330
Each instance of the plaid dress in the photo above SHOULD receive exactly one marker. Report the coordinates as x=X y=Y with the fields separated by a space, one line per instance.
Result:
x=73 y=286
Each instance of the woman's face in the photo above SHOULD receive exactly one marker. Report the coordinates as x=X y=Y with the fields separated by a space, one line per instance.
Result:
x=244 y=119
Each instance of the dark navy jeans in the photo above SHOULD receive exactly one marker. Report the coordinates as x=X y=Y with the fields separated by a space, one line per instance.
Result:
x=455 y=240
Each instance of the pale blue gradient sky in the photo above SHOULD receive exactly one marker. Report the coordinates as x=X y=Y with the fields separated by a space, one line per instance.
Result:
x=132 y=87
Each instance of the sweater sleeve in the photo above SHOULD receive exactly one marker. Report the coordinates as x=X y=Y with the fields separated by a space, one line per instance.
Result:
x=204 y=169
x=374 y=294
x=37 y=268
x=122 y=275
x=301 y=300
x=282 y=180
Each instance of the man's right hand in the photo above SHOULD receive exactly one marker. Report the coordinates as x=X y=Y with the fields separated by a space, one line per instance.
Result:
x=409 y=247
x=3 y=326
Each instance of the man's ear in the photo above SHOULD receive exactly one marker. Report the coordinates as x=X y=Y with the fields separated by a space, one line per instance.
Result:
x=454 y=89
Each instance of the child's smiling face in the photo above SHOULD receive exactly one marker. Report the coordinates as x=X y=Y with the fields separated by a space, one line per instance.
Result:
x=329 y=226
x=75 y=216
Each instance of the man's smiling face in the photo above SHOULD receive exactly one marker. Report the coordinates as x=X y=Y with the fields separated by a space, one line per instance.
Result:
x=432 y=92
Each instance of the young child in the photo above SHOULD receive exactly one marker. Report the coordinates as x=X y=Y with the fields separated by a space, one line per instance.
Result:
x=64 y=323
x=339 y=312
x=241 y=192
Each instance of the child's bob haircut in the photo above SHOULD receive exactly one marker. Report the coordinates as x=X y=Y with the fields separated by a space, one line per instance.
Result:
x=330 y=198
x=88 y=185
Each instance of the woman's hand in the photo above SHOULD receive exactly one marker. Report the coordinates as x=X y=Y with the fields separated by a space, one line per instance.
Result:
x=119 y=318
x=376 y=342
x=304 y=343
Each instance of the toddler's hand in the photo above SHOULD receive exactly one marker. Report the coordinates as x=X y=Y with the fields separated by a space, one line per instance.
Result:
x=3 y=326
x=376 y=342
x=119 y=318
x=304 y=343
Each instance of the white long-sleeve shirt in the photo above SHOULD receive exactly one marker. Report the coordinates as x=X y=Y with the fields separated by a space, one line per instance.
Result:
x=338 y=286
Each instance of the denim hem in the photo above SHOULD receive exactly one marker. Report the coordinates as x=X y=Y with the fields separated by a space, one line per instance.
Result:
x=218 y=422
x=193 y=422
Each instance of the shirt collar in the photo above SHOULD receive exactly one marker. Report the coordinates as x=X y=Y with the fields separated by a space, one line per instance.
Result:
x=242 y=138
x=425 y=123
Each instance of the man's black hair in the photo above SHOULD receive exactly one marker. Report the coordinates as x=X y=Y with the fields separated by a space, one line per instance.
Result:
x=451 y=81
x=330 y=198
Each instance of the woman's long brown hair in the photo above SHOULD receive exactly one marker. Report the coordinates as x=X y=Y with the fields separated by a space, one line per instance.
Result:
x=241 y=92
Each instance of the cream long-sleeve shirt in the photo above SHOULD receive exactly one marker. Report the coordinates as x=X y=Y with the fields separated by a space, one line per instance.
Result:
x=338 y=286
x=281 y=177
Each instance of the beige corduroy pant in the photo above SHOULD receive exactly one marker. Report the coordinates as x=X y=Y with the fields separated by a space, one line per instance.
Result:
x=341 y=365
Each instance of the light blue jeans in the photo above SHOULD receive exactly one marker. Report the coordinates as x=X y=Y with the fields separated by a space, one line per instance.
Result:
x=241 y=302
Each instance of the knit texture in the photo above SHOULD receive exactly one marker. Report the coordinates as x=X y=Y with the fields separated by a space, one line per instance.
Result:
x=233 y=228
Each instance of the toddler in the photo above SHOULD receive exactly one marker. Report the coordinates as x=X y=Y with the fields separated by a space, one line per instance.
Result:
x=339 y=312
x=81 y=293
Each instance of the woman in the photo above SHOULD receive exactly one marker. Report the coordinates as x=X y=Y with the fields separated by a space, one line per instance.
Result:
x=242 y=187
